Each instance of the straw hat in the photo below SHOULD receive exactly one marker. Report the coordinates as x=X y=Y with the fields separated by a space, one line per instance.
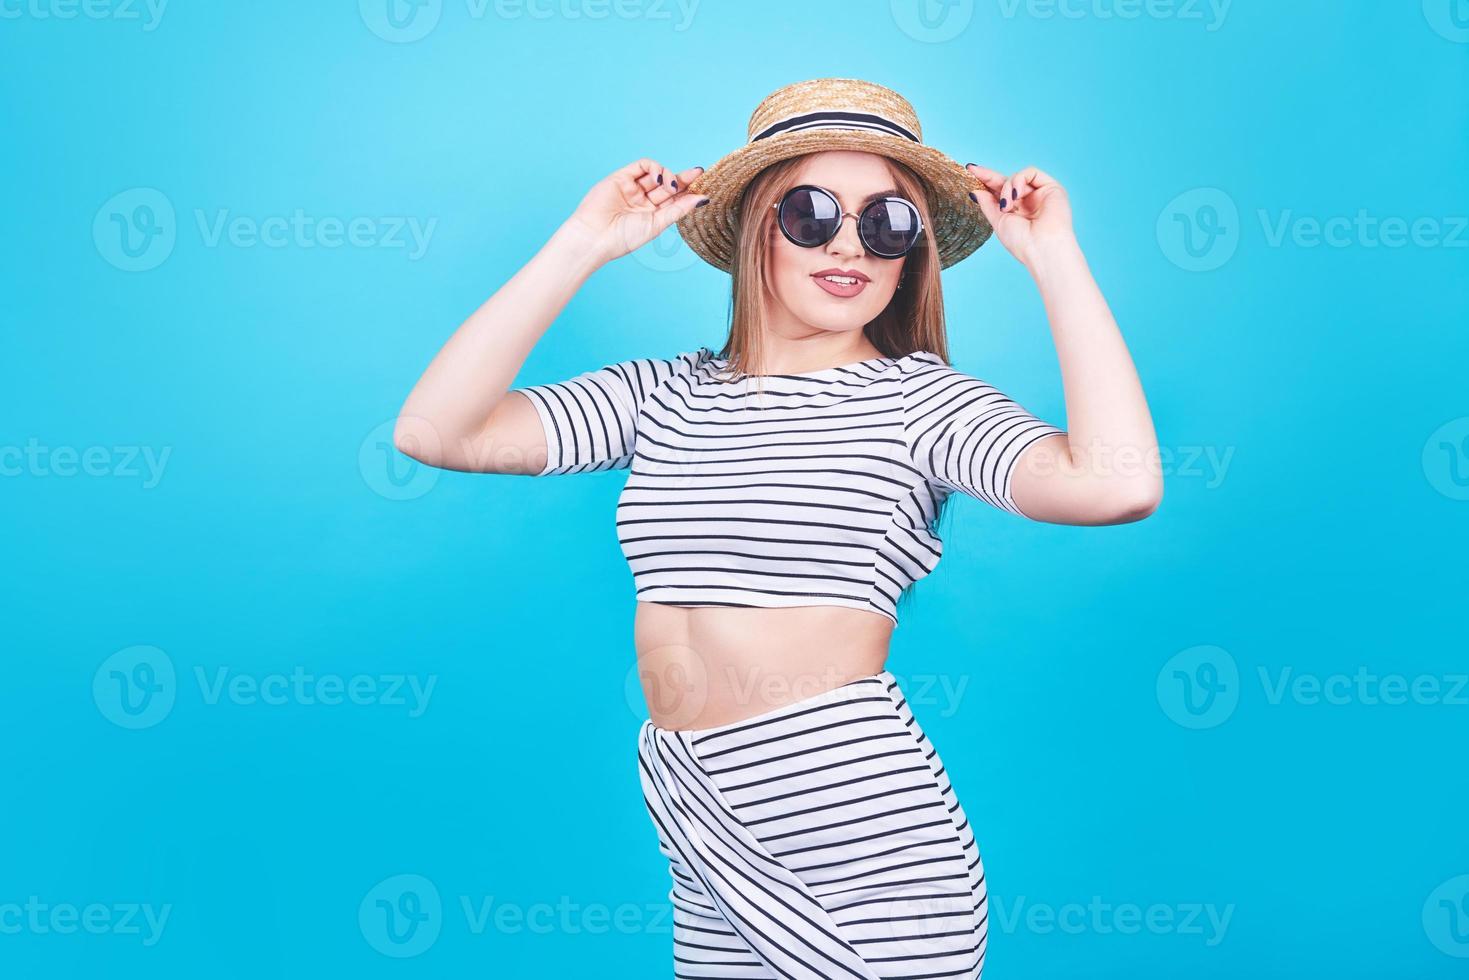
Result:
x=834 y=114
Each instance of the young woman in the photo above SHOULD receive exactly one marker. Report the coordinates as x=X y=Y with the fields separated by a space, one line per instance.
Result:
x=785 y=493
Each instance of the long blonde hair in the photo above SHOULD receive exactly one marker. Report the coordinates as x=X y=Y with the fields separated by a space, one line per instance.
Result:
x=912 y=321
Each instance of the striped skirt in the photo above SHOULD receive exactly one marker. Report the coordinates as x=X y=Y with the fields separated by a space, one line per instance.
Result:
x=819 y=839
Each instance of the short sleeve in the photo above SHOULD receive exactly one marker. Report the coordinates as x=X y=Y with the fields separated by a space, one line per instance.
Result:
x=963 y=433
x=590 y=420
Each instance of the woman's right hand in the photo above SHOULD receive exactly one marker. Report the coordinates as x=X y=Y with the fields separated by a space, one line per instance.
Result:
x=631 y=206
x=458 y=416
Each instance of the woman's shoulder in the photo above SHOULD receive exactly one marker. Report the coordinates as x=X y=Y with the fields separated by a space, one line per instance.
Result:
x=924 y=364
x=701 y=360
x=681 y=362
x=925 y=377
x=922 y=357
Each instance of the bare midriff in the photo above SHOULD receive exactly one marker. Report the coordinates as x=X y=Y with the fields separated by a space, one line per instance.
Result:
x=704 y=666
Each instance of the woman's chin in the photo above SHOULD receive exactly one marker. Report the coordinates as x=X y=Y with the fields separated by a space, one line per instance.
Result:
x=835 y=313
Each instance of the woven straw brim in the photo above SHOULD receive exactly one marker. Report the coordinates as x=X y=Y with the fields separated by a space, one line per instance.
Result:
x=959 y=227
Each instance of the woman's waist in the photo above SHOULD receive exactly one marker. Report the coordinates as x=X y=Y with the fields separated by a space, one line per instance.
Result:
x=705 y=666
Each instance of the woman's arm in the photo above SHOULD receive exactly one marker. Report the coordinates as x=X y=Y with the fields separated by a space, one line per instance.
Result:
x=1104 y=468
x=457 y=415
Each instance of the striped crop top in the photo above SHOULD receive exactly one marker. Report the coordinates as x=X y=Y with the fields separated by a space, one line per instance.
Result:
x=824 y=489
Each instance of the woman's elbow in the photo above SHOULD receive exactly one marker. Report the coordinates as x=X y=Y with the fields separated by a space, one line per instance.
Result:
x=417 y=439
x=1135 y=501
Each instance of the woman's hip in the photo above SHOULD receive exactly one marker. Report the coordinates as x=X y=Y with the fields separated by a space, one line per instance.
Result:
x=828 y=821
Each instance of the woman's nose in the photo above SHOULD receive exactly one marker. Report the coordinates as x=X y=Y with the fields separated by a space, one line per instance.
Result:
x=846 y=241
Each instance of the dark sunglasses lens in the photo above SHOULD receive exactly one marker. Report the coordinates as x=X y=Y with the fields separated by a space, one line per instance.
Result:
x=809 y=217
x=890 y=228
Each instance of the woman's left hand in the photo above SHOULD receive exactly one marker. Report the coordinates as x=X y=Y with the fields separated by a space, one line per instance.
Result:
x=1029 y=210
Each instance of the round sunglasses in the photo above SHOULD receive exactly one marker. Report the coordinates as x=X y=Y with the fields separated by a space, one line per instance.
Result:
x=811 y=216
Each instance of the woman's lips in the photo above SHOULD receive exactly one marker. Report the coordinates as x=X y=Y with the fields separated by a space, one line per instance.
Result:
x=844 y=290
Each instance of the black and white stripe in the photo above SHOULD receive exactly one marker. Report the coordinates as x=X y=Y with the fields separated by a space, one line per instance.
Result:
x=835 y=119
x=822 y=490
x=820 y=839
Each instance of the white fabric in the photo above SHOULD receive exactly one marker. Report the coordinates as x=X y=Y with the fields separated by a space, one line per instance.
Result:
x=820 y=839
x=825 y=489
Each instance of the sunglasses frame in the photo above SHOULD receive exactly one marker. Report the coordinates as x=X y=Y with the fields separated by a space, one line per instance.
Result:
x=780 y=222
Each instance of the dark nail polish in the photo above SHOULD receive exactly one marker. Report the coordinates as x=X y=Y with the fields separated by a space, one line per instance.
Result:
x=702 y=203
x=673 y=183
x=974 y=197
x=1002 y=204
x=660 y=178
x=971 y=165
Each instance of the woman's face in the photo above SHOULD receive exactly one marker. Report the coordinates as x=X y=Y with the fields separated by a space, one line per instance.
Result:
x=801 y=300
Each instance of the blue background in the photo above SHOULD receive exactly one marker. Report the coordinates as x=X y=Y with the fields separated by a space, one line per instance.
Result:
x=1325 y=537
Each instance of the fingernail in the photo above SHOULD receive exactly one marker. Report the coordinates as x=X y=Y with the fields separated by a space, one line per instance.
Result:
x=974 y=197
x=673 y=183
x=660 y=178
x=1002 y=204
x=702 y=203
x=971 y=165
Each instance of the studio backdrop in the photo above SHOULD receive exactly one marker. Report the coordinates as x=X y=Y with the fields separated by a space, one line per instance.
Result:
x=281 y=702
